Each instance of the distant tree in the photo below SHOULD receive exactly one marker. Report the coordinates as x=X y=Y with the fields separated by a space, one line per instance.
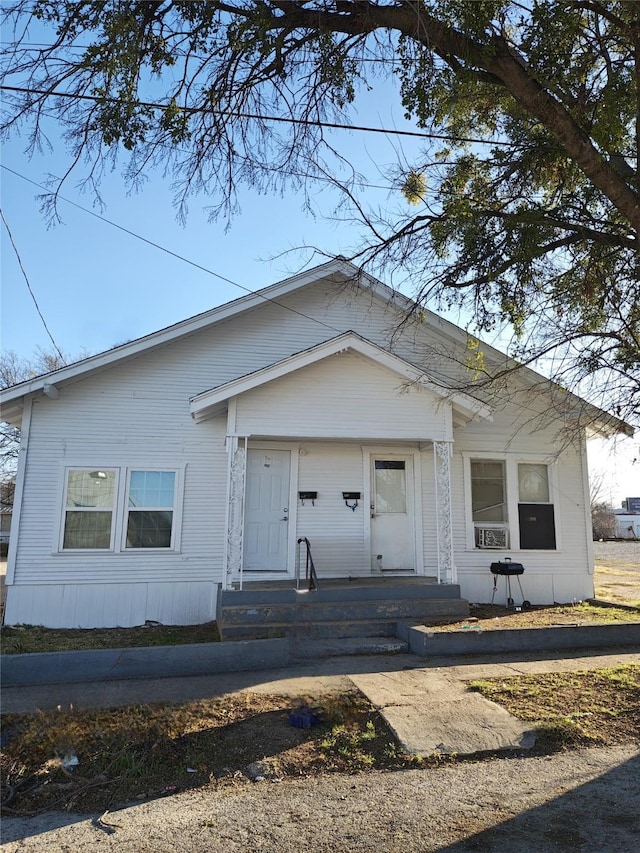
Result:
x=15 y=369
x=524 y=206
x=603 y=521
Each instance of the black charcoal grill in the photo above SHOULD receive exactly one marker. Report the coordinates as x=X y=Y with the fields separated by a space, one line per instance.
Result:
x=508 y=569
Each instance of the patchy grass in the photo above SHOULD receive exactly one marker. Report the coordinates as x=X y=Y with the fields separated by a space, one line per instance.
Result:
x=146 y=751
x=573 y=709
x=488 y=617
x=21 y=639
x=618 y=585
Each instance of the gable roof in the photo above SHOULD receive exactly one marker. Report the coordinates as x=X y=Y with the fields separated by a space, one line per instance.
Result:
x=212 y=402
x=338 y=270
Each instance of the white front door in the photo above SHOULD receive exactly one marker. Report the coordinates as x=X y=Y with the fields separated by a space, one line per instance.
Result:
x=392 y=527
x=266 y=514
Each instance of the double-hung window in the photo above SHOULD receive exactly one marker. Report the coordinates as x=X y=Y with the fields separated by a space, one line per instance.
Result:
x=89 y=509
x=489 y=503
x=150 y=509
x=511 y=504
x=535 y=509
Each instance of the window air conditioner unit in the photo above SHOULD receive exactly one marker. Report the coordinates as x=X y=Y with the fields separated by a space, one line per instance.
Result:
x=492 y=537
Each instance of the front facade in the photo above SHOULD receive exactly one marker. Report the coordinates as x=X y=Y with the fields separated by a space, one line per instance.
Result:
x=195 y=459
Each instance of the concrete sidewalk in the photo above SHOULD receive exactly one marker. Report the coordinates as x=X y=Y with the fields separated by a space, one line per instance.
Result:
x=427 y=704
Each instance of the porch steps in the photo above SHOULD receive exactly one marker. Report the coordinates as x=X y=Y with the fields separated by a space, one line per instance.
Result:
x=355 y=581
x=335 y=612
x=312 y=649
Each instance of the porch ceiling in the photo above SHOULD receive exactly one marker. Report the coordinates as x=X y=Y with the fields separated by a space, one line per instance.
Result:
x=214 y=401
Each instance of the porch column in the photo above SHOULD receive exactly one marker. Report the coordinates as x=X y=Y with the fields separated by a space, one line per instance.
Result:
x=444 y=526
x=236 y=481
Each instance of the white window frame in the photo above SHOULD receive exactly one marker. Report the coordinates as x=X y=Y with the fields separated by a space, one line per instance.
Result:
x=120 y=510
x=512 y=524
x=176 y=523
x=554 y=494
x=114 y=509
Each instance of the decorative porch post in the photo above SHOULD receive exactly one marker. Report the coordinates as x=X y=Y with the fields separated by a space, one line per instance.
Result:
x=444 y=527
x=237 y=475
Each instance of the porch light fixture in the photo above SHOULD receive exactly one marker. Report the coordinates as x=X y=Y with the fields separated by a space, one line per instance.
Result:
x=351 y=499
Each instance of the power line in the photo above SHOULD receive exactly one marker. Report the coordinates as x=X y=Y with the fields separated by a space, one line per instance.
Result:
x=282 y=119
x=30 y=289
x=168 y=252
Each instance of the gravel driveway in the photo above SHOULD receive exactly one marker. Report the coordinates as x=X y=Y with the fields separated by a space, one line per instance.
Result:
x=586 y=800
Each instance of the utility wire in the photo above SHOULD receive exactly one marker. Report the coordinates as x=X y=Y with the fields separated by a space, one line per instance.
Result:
x=30 y=289
x=523 y=405
x=283 y=119
x=168 y=252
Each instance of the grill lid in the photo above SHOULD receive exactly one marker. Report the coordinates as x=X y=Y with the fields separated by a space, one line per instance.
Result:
x=507 y=568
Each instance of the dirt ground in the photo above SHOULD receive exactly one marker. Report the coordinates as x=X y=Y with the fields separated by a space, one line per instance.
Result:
x=578 y=799
x=617 y=574
x=575 y=801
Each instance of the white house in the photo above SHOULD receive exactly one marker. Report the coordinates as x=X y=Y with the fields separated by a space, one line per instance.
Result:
x=195 y=458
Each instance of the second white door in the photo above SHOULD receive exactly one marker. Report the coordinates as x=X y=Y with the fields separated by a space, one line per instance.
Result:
x=392 y=529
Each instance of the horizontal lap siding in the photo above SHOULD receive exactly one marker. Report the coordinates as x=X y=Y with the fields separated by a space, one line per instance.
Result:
x=336 y=533
x=549 y=575
x=429 y=514
x=345 y=395
x=163 y=437
x=137 y=414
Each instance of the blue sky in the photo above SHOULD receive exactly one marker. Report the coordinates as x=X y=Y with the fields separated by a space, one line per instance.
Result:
x=98 y=286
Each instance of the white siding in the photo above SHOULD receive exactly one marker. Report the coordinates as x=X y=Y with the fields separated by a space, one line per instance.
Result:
x=121 y=605
x=336 y=533
x=344 y=396
x=429 y=514
x=560 y=575
x=136 y=414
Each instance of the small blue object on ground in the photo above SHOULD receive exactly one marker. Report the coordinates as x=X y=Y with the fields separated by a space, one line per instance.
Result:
x=303 y=718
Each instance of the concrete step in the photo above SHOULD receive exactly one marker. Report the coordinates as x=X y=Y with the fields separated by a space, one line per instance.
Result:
x=324 y=614
x=345 y=611
x=311 y=631
x=327 y=648
x=343 y=582
x=360 y=592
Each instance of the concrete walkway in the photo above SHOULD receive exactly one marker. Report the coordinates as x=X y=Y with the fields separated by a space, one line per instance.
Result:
x=427 y=704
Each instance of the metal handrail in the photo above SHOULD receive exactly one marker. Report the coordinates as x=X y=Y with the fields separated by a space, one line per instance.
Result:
x=310 y=570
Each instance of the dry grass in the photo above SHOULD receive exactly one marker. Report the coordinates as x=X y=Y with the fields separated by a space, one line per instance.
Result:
x=573 y=709
x=22 y=639
x=488 y=617
x=617 y=571
x=145 y=751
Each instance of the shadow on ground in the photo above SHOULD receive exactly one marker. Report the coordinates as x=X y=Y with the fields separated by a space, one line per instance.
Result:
x=600 y=815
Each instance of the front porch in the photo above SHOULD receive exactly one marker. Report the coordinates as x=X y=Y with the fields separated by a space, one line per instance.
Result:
x=345 y=445
x=340 y=607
